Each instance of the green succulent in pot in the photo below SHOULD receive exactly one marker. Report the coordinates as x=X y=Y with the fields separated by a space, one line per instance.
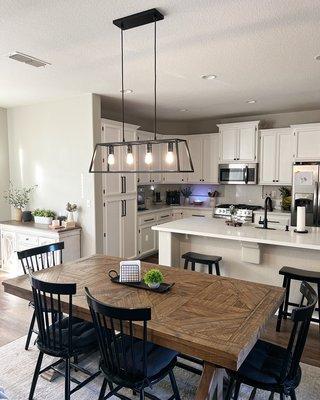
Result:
x=153 y=278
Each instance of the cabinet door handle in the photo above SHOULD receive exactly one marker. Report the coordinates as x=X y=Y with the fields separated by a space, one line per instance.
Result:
x=122 y=184
x=148 y=220
x=197 y=215
x=125 y=184
x=165 y=216
x=125 y=208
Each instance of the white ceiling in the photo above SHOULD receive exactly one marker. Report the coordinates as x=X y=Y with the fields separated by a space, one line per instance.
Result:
x=261 y=49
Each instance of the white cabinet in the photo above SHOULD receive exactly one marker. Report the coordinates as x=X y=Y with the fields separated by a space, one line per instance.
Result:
x=120 y=227
x=276 y=156
x=306 y=142
x=196 y=151
x=210 y=157
x=118 y=183
x=21 y=236
x=238 y=142
x=204 y=151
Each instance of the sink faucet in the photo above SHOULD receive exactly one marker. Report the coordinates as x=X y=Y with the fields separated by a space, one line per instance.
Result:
x=267 y=204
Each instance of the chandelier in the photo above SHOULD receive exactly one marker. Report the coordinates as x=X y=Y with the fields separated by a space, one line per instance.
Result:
x=173 y=155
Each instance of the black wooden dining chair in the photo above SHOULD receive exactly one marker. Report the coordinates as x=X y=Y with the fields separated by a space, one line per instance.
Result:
x=273 y=368
x=127 y=361
x=62 y=337
x=36 y=259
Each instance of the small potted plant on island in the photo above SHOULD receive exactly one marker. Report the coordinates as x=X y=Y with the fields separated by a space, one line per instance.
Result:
x=18 y=199
x=153 y=278
x=42 y=216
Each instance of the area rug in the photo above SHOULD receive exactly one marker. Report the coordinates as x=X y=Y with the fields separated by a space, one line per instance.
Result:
x=17 y=366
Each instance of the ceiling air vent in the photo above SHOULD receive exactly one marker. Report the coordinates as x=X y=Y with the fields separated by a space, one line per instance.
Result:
x=24 y=58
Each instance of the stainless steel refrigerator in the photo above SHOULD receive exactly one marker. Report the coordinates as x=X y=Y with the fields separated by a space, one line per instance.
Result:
x=305 y=192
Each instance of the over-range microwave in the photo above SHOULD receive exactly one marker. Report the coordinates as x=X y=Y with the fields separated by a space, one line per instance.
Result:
x=238 y=174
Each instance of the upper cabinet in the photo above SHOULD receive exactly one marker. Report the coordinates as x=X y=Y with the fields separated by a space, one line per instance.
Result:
x=118 y=183
x=204 y=150
x=239 y=142
x=306 y=142
x=276 y=156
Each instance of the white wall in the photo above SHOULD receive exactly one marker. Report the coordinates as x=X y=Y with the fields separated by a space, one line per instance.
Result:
x=4 y=165
x=50 y=145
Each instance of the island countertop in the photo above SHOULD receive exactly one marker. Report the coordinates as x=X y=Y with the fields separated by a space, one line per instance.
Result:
x=216 y=228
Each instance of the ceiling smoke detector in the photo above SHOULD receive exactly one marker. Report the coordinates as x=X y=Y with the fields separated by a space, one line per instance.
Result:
x=24 y=58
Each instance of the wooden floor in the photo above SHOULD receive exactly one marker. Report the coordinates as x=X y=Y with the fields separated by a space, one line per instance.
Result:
x=15 y=317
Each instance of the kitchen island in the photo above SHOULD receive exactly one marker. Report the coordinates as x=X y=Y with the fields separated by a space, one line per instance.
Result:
x=247 y=252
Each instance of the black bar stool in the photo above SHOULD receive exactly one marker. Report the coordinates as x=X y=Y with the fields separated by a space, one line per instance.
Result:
x=298 y=275
x=194 y=258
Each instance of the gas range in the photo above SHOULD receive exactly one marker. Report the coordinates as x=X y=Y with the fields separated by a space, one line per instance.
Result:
x=243 y=211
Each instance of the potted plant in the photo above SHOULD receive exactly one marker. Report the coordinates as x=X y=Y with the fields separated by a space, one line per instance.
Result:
x=285 y=194
x=153 y=278
x=18 y=199
x=186 y=193
x=42 y=216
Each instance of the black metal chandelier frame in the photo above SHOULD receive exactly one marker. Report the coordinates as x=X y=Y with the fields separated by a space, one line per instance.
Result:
x=173 y=144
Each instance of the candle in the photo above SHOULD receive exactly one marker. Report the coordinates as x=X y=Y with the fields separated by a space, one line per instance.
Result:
x=301 y=219
x=55 y=223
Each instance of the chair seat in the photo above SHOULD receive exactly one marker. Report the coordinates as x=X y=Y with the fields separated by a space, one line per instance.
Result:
x=201 y=258
x=83 y=336
x=263 y=366
x=301 y=274
x=159 y=359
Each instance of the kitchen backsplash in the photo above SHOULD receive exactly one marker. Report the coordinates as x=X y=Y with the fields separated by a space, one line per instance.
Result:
x=246 y=194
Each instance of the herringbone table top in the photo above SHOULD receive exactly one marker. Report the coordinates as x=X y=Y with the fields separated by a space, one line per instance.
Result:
x=215 y=318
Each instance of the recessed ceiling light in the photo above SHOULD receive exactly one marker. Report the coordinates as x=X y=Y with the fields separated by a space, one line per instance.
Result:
x=127 y=91
x=208 y=77
x=252 y=101
x=317 y=57
x=183 y=110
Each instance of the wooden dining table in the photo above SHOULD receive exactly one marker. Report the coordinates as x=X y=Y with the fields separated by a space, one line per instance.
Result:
x=214 y=318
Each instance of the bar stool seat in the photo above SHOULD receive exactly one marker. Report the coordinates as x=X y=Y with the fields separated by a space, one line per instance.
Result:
x=290 y=273
x=199 y=258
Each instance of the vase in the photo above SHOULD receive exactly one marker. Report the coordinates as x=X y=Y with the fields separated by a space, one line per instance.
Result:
x=187 y=201
x=70 y=216
x=17 y=214
x=213 y=202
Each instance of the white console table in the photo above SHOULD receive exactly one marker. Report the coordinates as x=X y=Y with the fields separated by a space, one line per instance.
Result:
x=17 y=236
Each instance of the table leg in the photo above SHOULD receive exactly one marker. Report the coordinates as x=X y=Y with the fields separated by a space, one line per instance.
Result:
x=211 y=379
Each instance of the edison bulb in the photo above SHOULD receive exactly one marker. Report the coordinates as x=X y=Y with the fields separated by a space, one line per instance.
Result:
x=169 y=157
x=129 y=158
x=111 y=159
x=148 y=158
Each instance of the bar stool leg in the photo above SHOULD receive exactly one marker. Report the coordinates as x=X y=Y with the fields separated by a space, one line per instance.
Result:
x=280 y=312
x=210 y=268
x=193 y=266
x=186 y=264
x=217 y=268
